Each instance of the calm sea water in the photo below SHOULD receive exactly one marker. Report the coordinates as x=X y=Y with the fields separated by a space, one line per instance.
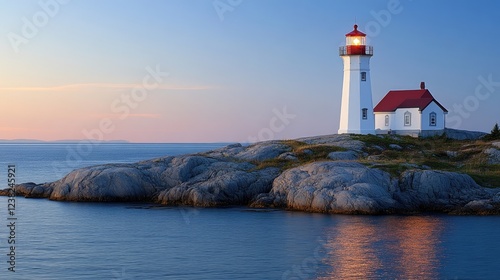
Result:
x=62 y=240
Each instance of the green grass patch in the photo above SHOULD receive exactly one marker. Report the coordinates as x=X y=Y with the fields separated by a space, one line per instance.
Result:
x=486 y=175
x=283 y=164
x=487 y=179
x=438 y=153
x=304 y=152
x=390 y=154
x=294 y=144
x=377 y=140
x=440 y=165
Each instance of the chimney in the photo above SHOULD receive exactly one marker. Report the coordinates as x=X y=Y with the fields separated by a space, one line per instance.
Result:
x=422 y=85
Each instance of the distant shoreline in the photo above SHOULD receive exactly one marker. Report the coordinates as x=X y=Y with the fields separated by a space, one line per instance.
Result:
x=28 y=141
x=34 y=141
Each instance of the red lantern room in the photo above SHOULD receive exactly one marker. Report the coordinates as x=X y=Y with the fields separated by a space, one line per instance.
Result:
x=355 y=44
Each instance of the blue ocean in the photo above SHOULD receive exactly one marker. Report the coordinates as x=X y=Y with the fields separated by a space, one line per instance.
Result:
x=68 y=240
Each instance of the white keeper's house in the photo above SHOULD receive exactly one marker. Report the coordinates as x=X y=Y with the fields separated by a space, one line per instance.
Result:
x=406 y=112
x=410 y=112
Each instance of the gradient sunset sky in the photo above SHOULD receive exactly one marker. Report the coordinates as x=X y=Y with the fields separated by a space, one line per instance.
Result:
x=235 y=68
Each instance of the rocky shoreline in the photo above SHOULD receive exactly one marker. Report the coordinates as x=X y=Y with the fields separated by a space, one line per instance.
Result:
x=327 y=174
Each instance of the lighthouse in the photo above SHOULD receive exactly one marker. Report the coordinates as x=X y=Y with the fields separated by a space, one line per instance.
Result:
x=356 y=114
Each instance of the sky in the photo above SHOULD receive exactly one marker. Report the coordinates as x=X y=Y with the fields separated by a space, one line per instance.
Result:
x=232 y=70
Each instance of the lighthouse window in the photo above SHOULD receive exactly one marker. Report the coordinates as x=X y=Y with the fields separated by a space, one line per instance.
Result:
x=407 y=119
x=386 y=120
x=432 y=119
x=364 y=113
x=363 y=76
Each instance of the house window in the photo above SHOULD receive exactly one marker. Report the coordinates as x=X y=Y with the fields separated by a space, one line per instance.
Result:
x=364 y=113
x=386 y=120
x=432 y=119
x=363 y=76
x=407 y=119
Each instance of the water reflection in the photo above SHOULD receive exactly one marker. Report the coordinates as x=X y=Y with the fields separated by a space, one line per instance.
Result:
x=383 y=247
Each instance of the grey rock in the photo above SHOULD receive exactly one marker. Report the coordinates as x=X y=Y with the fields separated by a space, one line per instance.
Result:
x=349 y=187
x=334 y=187
x=463 y=134
x=255 y=152
x=225 y=152
x=479 y=205
x=288 y=156
x=496 y=145
x=31 y=190
x=451 y=154
x=190 y=180
x=436 y=190
x=308 y=152
x=493 y=155
x=496 y=198
x=340 y=140
x=374 y=157
x=346 y=155
x=113 y=182
x=410 y=165
x=220 y=184
x=395 y=147
x=262 y=151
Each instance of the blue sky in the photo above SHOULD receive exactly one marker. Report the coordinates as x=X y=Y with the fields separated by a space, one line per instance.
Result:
x=238 y=70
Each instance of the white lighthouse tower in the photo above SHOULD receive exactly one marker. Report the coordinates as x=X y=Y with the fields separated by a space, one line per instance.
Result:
x=356 y=114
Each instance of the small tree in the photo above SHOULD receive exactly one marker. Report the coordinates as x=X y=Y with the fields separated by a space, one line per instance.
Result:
x=495 y=132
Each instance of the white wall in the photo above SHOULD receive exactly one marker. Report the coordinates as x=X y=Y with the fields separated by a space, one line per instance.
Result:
x=399 y=124
x=380 y=120
x=440 y=121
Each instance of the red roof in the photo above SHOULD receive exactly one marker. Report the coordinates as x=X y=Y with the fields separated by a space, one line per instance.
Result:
x=355 y=32
x=395 y=99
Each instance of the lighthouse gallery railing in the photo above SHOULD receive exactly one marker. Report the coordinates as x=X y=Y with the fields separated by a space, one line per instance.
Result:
x=356 y=50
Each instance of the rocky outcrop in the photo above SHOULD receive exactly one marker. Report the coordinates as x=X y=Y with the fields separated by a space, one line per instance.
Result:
x=395 y=147
x=463 y=134
x=339 y=140
x=257 y=152
x=32 y=190
x=347 y=155
x=493 y=155
x=197 y=180
x=332 y=187
x=438 y=190
x=114 y=182
x=350 y=187
x=334 y=182
x=214 y=183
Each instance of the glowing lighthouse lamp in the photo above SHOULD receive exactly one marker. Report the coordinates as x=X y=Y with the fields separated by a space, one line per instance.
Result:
x=356 y=114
